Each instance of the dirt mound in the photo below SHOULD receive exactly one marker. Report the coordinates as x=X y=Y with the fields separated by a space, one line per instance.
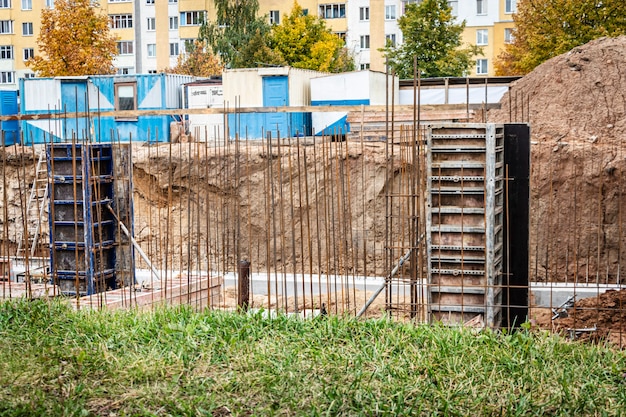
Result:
x=579 y=96
x=605 y=313
x=576 y=106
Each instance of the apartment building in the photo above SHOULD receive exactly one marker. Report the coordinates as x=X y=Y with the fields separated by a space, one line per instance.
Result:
x=152 y=33
x=370 y=25
x=489 y=24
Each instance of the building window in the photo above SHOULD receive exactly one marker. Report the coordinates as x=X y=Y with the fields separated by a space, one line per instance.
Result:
x=508 y=35
x=365 y=41
x=27 y=29
x=173 y=22
x=364 y=13
x=364 y=66
x=191 y=18
x=28 y=53
x=481 y=67
x=6 y=52
x=390 y=39
x=50 y=4
x=510 y=6
x=6 y=77
x=454 y=5
x=150 y=2
x=125 y=70
x=332 y=11
x=125 y=96
x=481 y=7
x=341 y=35
x=405 y=3
x=27 y=4
x=174 y=49
x=152 y=71
x=274 y=17
x=151 y=50
x=482 y=36
x=5 y=4
x=187 y=44
x=151 y=23
x=6 y=26
x=125 y=48
x=121 y=21
x=29 y=75
x=390 y=12
x=173 y=1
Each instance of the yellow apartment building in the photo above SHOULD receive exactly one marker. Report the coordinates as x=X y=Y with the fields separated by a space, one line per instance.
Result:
x=152 y=33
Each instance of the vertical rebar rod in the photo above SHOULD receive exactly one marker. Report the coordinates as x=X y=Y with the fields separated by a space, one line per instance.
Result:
x=5 y=244
x=294 y=261
x=317 y=222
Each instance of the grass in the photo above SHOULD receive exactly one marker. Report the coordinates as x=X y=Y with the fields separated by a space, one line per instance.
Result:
x=54 y=361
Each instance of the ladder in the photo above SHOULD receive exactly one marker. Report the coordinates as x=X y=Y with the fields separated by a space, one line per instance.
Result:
x=35 y=209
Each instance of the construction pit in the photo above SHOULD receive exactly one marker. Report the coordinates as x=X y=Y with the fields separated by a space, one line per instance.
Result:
x=327 y=224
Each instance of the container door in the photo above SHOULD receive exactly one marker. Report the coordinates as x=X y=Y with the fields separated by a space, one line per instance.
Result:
x=8 y=107
x=276 y=93
x=74 y=100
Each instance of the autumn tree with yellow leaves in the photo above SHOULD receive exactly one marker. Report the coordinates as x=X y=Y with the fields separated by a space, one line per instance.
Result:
x=547 y=28
x=74 y=40
x=304 y=41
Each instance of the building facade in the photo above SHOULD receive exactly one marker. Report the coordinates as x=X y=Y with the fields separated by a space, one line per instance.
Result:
x=153 y=33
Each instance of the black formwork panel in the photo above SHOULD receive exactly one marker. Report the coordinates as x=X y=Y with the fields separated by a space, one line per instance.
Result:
x=516 y=232
x=83 y=231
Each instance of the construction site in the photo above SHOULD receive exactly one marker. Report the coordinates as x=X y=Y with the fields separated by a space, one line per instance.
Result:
x=489 y=215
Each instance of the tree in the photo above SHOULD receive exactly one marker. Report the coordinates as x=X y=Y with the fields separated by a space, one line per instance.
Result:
x=304 y=41
x=197 y=61
x=235 y=25
x=258 y=53
x=75 y=40
x=431 y=35
x=547 y=28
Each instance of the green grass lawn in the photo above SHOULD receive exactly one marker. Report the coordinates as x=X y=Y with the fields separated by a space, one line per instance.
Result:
x=54 y=361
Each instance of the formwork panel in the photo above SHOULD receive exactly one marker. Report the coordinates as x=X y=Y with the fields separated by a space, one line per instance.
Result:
x=83 y=238
x=464 y=224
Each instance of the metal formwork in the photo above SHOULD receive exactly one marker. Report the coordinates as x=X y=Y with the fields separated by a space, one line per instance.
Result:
x=464 y=225
x=83 y=230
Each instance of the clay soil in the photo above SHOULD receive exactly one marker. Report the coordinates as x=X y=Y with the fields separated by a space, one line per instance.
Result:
x=576 y=106
x=597 y=319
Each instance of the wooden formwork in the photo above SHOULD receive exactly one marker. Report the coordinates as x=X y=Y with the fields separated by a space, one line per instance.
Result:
x=377 y=125
x=197 y=291
x=464 y=226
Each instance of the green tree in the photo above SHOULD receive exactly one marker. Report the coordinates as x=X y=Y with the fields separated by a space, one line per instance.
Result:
x=197 y=61
x=258 y=53
x=547 y=28
x=74 y=40
x=431 y=34
x=236 y=24
x=304 y=41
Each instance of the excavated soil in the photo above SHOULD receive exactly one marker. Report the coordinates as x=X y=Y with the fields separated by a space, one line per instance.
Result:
x=596 y=319
x=576 y=106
